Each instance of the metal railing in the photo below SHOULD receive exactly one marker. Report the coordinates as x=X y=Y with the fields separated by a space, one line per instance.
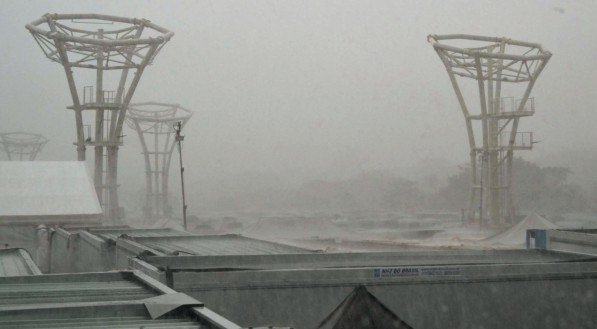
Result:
x=522 y=139
x=89 y=134
x=511 y=104
x=108 y=96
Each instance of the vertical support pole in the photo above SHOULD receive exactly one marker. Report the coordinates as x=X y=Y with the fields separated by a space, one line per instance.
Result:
x=75 y=97
x=504 y=175
x=147 y=208
x=42 y=252
x=123 y=77
x=470 y=134
x=99 y=123
x=114 y=138
x=113 y=206
x=157 y=169
x=472 y=185
x=167 y=155
x=179 y=139
x=493 y=151
x=484 y=124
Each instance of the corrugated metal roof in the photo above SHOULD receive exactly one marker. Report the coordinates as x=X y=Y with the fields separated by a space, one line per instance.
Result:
x=66 y=288
x=369 y=259
x=100 y=300
x=113 y=234
x=133 y=314
x=16 y=262
x=215 y=245
x=133 y=322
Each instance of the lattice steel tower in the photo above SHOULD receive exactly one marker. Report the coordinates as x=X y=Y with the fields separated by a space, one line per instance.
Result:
x=21 y=146
x=106 y=51
x=154 y=124
x=497 y=67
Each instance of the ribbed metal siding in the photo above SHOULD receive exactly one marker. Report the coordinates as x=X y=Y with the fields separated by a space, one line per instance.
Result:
x=70 y=288
x=102 y=322
x=216 y=245
x=113 y=234
x=16 y=262
x=30 y=293
x=96 y=300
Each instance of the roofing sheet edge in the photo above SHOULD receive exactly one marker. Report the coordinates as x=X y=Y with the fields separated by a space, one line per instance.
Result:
x=215 y=245
x=17 y=262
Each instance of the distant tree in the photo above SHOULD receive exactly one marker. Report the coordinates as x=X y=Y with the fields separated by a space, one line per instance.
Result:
x=402 y=194
x=543 y=189
x=546 y=189
x=454 y=195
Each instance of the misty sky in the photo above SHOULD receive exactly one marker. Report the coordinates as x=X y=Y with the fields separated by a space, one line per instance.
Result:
x=312 y=89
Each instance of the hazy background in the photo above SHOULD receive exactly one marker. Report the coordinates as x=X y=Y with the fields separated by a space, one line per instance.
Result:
x=286 y=93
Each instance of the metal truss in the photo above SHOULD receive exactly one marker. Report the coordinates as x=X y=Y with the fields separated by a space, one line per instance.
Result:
x=114 y=48
x=154 y=124
x=21 y=146
x=497 y=64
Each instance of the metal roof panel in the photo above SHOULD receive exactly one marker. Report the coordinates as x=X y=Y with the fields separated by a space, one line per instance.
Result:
x=17 y=262
x=215 y=245
x=65 y=288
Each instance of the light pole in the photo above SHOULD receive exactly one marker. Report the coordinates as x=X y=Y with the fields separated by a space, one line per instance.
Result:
x=179 y=138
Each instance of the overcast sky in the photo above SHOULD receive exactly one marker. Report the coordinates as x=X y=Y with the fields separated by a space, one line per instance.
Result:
x=311 y=89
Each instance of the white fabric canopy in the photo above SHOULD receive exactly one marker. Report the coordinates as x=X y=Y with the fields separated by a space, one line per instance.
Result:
x=516 y=235
x=38 y=192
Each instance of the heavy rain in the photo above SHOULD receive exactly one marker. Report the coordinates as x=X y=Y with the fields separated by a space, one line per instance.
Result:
x=298 y=164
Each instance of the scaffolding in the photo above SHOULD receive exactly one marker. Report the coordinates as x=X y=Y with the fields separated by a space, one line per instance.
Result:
x=154 y=124
x=105 y=51
x=22 y=146
x=497 y=65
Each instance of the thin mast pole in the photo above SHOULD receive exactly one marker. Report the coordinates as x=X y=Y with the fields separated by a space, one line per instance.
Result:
x=179 y=139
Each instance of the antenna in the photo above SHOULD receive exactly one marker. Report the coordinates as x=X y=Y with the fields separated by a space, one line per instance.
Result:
x=179 y=138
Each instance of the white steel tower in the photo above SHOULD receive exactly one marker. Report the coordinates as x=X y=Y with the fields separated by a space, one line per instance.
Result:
x=497 y=67
x=154 y=124
x=103 y=58
x=21 y=146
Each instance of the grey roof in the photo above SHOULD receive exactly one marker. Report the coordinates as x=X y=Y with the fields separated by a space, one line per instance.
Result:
x=126 y=314
x=47 y=192
x=66 y=288
x=104 y=319
x=369 y=259
x=114 y=233
x=17 y=262
x=100 y=300
x=215 y=245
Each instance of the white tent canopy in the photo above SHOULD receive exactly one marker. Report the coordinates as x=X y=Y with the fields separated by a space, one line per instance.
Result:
x=516 y=235
x=43 y=192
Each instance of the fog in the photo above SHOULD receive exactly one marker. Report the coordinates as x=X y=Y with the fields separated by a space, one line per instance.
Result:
x=289 y=92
